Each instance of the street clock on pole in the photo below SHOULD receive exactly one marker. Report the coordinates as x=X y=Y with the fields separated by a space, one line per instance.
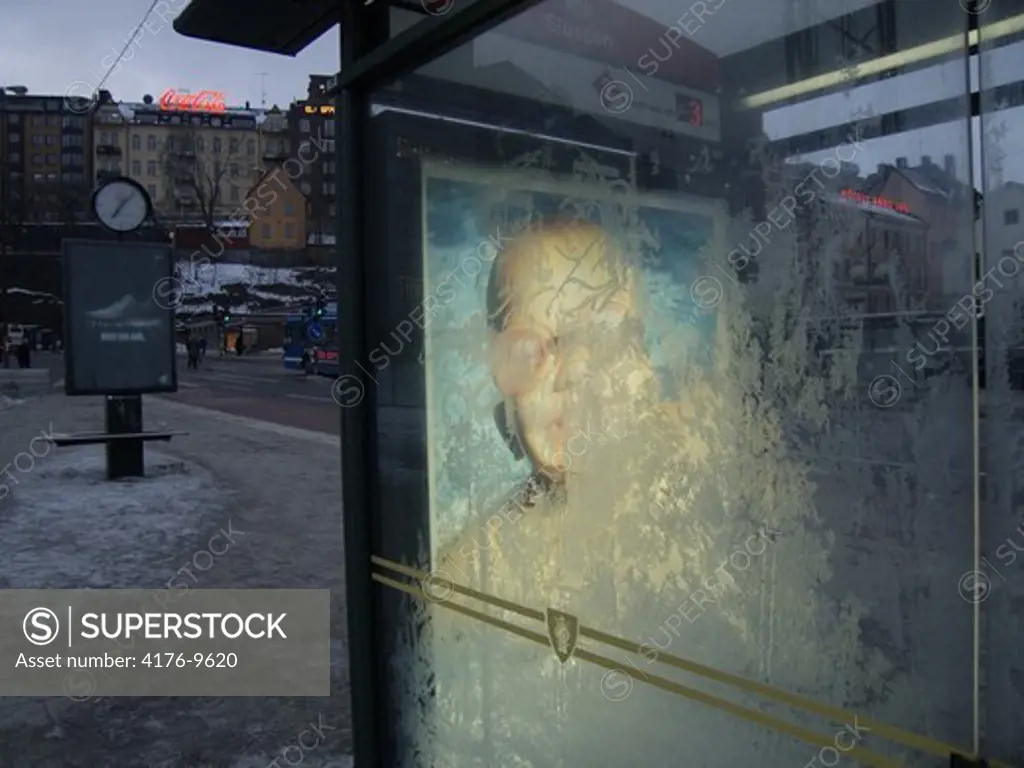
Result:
x=121 y=205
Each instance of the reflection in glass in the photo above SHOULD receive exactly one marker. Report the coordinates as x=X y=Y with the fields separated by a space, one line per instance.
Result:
x=695 y=389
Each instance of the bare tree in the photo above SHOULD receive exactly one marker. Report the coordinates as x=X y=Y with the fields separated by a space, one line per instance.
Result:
x=197 y=167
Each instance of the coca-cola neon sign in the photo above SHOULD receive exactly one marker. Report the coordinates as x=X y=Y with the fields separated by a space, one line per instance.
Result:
x=203 y=101
x=875 y=200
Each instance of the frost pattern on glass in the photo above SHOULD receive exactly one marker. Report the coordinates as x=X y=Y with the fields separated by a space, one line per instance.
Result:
x=733 y=464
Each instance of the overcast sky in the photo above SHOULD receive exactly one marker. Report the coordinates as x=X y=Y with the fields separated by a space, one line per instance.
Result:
x=46 y=45
x=51 y=45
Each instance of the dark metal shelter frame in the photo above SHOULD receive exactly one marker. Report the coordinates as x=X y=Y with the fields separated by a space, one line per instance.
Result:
x=370 y=58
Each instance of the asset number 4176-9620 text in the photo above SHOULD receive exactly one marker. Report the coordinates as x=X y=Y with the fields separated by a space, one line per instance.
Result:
x=195 y=660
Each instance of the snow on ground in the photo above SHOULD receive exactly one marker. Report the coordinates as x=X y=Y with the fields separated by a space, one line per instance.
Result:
x=202 y=279
x=68 y=527
x=247 y=286
x=9 y=402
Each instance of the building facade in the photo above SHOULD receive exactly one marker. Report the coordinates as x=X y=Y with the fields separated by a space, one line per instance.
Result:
x=933 y=194
x=45 y=164
x=195 y=159
x=312 y=121
x=281 y=220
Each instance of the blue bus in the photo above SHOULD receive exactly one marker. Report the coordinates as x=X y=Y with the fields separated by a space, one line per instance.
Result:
x=312 y=345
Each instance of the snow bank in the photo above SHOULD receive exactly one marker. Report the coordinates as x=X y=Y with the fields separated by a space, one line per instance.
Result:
x=70 y=528
x=201 y=279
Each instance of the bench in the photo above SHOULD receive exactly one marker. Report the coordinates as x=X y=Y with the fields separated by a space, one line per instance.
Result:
x=95 y=438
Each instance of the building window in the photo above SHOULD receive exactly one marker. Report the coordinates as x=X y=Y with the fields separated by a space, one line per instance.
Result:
x=14 y=138
x=304 y=126
x=1011 y=216
x=151 y=189
x=151 y=168
x=233 y=170
x=289 y=209
x=38 y=159
x=169 y=143
x=234 y=194
x=136 y=142
x=15 y=157
x=265 y=229
x=151 y=142
x=200 y=144
x=216 y=145
x=38 y=120
x=306 y=189
x=51 y=140
x=329 y=128
x=330 y=210
x=232 y=145
x=136 y=167
x=14 y=119
x=289 y=230
x=250 y=147
x=37 y=139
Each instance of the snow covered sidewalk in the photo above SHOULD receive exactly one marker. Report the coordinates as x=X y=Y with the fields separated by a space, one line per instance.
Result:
x=271 y=492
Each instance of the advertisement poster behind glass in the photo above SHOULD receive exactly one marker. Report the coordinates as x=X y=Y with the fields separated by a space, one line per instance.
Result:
x=120 y=341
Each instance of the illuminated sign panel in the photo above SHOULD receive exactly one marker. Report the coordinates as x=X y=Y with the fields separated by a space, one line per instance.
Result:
x=203 y=101
x=323 y=109
x=878 y=202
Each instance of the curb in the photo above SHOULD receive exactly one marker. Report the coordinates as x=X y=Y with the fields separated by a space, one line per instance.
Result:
x=294 y=433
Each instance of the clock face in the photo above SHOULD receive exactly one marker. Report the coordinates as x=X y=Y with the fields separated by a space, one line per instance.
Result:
x=121 y=205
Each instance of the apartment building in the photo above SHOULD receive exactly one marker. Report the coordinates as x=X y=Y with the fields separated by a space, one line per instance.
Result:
x=313 y=120
x=949 y=207
x=195 y=155
x=281 y=221
x=44 y=163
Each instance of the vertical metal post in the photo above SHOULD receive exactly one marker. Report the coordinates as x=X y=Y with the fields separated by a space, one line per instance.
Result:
x=362 y=27
x=125 y=457
x=5 y=170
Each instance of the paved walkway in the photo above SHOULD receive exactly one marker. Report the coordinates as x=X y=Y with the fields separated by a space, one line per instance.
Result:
x=280 y=489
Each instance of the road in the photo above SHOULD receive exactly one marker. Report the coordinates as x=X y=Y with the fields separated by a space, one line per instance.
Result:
x=257 y=388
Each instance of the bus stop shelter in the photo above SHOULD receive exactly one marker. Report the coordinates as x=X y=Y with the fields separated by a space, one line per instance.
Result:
x=778 y=538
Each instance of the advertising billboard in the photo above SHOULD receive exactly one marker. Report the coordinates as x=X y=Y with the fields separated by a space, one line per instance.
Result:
x=120 y=341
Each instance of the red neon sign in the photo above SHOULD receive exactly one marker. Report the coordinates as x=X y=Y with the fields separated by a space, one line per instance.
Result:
x=878 y=202
x=204 y=101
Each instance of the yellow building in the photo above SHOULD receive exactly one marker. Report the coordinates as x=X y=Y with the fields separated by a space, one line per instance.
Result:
x=195 y=159
x=280 y=217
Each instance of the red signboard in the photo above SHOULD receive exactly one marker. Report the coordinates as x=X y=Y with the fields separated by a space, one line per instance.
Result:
x=875 y=200
x=203 y=101
x=326 y=354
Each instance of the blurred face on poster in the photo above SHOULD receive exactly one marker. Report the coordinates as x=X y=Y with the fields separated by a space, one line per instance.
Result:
x=566 y=351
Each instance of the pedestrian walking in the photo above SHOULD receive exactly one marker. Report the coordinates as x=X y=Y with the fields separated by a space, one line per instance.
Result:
x=193 y=353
